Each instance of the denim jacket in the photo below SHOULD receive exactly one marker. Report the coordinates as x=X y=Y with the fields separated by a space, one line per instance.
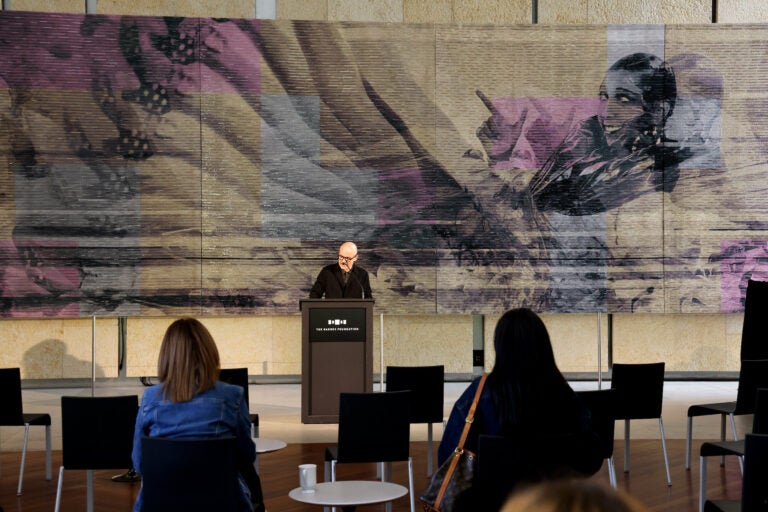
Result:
x=217 y=412
x=486 y=421
x=583 y=454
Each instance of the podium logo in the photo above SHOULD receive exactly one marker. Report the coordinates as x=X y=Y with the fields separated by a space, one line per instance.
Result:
x=337 y=321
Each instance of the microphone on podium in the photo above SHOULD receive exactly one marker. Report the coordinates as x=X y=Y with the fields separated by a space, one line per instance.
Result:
x=362 y=288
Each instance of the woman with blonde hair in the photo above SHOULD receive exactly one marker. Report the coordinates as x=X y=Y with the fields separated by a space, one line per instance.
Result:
x=190 y=402
x=579 y=495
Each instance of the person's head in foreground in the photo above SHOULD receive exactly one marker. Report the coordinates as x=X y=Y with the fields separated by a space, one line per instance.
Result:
x=578 y=495
x=188 y=363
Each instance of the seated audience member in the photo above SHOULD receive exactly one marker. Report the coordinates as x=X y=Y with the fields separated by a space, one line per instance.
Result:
x=572 y=496
x=190 y=402
x=528 y=401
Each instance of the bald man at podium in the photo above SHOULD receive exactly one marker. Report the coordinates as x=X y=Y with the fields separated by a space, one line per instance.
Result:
x=343 y=279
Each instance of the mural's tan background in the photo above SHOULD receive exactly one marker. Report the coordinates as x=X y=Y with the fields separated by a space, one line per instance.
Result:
x=54 y=349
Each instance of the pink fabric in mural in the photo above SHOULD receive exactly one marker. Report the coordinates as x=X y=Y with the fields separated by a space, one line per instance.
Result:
x=77 y=52
x=530 y=129
x=740 y=261
x=27 y=276
x=45 y=52
x=236 y=70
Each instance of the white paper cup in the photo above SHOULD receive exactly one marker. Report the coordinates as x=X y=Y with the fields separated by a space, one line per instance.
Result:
x=308 y=477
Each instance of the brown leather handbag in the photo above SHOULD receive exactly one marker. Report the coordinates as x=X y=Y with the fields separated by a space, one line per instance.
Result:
x=456 y=474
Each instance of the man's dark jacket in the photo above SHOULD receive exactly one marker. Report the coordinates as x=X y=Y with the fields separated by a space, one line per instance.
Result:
x=330 y=284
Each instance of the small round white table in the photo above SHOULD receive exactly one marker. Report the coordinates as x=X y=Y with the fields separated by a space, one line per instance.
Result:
x=264 y=445
x=349 y=493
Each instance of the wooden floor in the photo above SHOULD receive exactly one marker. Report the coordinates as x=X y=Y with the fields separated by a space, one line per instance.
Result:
x=646 y=480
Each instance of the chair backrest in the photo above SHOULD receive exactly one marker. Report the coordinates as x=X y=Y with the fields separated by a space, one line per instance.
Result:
x=236 y=376
x=754 y=492
x=374 y=427
x=427 y=387
x=11 y=408
x=97 y=432
x=754 y=344
x=503 y=463
x=602 y=406
x=189 y=474
x=753 y=375
x=500 y=466
x=760 y=421
x=639 y=390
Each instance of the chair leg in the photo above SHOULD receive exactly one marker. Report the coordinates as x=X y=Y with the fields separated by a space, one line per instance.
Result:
x=58 y=489
x=735 y=438
x=722 y=436
x=410 y=484
x=429 y=449
x=89 y=489
x=702 y=482
x=626 y=446
x=733 y=428
x=326 y=478
x=664 y=448
x=386 y=476
x=23 y=459
x=24 y=456
x=333 y=478
x=688 y=438
x=48 y=452
x=612 y=472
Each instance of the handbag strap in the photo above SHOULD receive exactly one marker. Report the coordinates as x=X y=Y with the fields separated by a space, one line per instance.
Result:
x=460 y=447
x=471 y=413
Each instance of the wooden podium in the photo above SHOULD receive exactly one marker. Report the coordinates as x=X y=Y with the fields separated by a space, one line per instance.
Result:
x=336 y=354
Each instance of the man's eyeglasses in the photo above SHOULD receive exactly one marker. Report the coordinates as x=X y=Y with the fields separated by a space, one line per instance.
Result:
x=345 y=259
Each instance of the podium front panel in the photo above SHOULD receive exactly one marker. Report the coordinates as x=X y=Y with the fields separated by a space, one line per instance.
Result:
x=336 y=354
x=335 y=368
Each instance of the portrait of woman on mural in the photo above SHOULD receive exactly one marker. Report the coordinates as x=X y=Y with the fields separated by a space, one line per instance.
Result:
x=621 y=153
x=603 y=162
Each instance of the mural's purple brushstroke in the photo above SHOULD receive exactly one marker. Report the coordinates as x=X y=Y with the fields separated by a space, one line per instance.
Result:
x=740 y=261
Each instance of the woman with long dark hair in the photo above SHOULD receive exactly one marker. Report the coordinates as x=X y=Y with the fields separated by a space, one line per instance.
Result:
x=527 y=400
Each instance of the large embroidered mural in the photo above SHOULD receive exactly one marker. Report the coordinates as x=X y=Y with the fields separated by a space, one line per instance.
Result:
x=153 y=166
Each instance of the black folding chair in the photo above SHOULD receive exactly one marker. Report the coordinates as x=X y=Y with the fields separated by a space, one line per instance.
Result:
x=754 y=492
x=639 y=395
x=12 y=415
x=373 y=427
x=753 y=375
x=602 y=406
x=505 y=464
x=96 y=433
x=426 y=384
x=239 y=377
x=194 y=475
x=738 y=448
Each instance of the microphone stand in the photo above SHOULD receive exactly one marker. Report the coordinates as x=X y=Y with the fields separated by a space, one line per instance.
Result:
x=362 y=288
x=381 y=337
